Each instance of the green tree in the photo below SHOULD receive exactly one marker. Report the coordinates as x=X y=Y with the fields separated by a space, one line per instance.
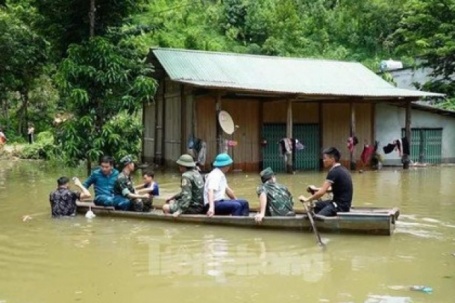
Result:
x=427 y=31
x=100 y=79
x=24 y=58
x=65 y=22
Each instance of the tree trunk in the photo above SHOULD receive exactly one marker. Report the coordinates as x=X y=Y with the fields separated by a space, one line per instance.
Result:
x=89 y=166
x=22 y=125
x=91 y=16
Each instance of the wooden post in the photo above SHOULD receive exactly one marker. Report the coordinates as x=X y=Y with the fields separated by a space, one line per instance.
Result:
x=289 y=123
x=352 y=162
x=219 y=131
x=405 y=158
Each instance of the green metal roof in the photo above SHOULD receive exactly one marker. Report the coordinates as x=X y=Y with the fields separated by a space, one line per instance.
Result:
x=278 y=74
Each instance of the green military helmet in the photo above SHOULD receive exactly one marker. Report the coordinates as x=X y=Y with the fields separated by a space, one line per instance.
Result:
x=186 y=161
x=126 y=160
x=266 y=174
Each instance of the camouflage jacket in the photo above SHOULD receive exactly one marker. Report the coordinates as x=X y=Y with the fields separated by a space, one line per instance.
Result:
x=192 y=194
x=123 y=186
x=279 y=199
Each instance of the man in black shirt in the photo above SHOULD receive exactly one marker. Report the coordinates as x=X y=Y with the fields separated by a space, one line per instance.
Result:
x=339 y=179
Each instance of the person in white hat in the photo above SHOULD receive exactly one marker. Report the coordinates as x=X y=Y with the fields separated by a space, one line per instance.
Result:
x=216 y=189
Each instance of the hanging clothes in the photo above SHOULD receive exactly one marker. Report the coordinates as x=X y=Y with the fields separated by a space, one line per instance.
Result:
x=298 y=145
x=352 y=142
x=367 y=152
x=395 y=145
x=202 y=154
x=285 y=146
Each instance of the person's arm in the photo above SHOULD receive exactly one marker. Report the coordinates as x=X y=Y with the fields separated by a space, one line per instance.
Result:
x=131 y=195
x=141 y=187
x=262 y=206
x=210 y=197
x=230 y=193
x=213 y=183
x=126 y=191
x=321 y=191
x=85 y=194
x=89 y=181
x=185 y=197
x=153 y=190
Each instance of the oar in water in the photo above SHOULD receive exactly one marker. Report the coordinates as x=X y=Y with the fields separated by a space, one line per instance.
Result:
x=310 y=215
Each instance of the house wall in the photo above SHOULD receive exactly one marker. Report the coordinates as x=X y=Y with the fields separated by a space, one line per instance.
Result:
x=172 y=124
x=336 y=127
x=302 y=112
x=245 y=113
x=149 y=124
x=391 y=119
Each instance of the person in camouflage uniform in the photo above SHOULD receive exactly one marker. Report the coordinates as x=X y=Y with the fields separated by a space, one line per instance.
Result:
x=125 y=196
x=274 y=198
x=191 y=198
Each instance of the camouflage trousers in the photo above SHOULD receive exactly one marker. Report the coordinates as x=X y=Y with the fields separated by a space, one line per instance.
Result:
x=141 y=205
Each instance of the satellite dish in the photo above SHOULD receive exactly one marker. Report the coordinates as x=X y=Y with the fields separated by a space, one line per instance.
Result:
x=226 y=122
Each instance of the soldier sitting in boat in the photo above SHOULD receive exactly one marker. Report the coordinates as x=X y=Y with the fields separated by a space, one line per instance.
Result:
x=190 y=199
x=339 y=179
x=63 y=200
x=274 y=198
x=125 y=196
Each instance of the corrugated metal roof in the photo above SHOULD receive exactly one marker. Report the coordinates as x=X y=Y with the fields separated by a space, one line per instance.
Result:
x=277 y=74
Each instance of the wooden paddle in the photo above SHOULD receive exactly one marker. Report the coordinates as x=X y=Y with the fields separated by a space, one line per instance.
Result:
x=310 y=215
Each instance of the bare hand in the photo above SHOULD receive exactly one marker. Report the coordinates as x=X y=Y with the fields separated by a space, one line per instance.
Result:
x=210 y=212
x=77 y=181
x=303 y=199
x=176 y=214
x=169 y=200
x=258 y=218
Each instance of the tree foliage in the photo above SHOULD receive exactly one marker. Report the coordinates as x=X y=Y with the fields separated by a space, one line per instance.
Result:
x=101 y=79
x=51 y=64
x=427 y=31
x=23 y=59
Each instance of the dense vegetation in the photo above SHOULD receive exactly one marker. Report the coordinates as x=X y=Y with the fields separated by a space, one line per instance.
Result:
x=83 y=61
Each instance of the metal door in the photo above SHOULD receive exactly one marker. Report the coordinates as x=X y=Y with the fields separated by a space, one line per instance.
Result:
x=308 y=135
x=426 y=145
x=306 y=159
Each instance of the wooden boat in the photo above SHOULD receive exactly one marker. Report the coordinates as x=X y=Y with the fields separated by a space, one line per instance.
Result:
x=368 y=220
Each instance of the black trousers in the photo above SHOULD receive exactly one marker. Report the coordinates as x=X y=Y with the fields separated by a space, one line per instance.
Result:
x=325 y=208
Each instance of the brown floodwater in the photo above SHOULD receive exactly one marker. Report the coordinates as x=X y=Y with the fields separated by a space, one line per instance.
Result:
x=126 y=260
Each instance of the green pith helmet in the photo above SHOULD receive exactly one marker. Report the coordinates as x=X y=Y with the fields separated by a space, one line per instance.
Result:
x=186 y=161
x=126 y=160
x=266 y=174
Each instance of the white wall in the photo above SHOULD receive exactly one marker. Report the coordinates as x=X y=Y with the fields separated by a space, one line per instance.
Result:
x=389 y=120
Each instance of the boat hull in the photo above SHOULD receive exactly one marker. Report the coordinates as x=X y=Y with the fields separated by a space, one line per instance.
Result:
x=377 y=221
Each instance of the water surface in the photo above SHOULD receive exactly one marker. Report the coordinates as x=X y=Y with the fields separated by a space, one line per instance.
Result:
x=124 y=260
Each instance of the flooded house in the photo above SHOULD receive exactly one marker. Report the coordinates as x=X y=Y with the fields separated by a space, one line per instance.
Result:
x=268 y=102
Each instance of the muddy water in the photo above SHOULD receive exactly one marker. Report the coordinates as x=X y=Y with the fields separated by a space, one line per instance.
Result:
x=119 y=260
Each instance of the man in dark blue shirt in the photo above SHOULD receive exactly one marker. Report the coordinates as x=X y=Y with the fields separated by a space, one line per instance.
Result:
x=103 y=179
x=339 y=179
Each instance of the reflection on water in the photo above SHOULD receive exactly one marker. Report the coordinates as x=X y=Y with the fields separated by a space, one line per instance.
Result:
x=123 y=260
